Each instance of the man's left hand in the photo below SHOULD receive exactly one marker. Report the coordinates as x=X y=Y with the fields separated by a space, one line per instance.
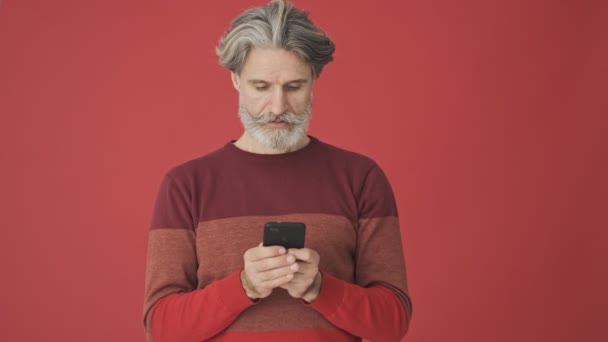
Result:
x=306 y=282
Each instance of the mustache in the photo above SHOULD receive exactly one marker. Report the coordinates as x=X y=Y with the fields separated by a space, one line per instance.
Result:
x=288 y=117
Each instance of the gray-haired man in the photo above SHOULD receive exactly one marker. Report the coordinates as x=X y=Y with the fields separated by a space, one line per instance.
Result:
x=208 y=276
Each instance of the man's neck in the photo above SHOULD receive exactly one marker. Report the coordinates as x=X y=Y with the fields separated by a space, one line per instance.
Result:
x=247 y=143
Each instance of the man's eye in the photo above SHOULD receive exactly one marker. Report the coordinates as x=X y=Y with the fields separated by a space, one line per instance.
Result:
x=293 y=88
x=262 y=88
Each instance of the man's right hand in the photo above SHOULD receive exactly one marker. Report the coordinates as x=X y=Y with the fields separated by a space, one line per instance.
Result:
x=266 y=268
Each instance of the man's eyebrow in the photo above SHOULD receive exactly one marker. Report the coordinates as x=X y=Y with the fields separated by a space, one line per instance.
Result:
x=257 y=81
x=302 y=80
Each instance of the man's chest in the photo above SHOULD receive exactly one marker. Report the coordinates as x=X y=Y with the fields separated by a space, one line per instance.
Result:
x=220 y=244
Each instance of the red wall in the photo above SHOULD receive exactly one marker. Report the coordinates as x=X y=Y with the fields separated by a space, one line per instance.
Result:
x=490 y=119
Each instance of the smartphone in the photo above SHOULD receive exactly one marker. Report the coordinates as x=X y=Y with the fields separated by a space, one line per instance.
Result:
x=286 y=234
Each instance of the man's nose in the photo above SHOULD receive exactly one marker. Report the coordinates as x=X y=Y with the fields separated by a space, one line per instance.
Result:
x=278 y=104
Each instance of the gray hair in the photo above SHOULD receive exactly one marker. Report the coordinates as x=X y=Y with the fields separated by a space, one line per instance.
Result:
x=277 y=24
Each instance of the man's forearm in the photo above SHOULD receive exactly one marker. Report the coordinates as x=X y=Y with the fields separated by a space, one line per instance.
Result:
x=374 y=313
x=200 y=314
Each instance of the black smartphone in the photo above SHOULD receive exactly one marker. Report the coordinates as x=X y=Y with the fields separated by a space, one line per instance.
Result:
x=286 y=234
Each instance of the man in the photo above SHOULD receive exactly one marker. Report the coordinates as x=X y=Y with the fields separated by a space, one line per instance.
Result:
x=209 y=277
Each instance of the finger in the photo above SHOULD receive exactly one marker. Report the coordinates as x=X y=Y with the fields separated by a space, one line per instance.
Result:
x=260 y=252
x=304 y=254
x=273 y=262
x=296 y=287
x=278 y=282
x=277 y=272
x=307 y=268
x=296 y=281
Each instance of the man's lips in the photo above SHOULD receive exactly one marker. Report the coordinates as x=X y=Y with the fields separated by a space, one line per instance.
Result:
x=277 y=122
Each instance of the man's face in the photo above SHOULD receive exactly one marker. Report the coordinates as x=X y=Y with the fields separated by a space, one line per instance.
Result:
x=275 y=88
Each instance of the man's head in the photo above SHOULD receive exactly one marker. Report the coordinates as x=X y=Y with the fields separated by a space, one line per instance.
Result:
x=275 y=53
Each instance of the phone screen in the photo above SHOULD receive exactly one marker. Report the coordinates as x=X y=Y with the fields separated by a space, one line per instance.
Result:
x=286 y=234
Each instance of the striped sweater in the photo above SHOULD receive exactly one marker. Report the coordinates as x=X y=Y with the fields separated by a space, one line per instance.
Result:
x=210 y=210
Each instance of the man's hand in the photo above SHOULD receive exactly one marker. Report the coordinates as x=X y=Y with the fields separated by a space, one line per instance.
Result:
x=306 y=282
x=266 y=268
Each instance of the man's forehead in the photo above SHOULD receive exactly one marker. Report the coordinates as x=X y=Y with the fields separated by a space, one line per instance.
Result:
x=275 y=65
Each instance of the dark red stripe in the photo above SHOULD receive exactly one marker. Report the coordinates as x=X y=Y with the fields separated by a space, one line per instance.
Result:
x=229 y=182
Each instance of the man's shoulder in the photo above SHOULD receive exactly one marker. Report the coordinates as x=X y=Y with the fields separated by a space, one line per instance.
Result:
x=348 y=157
x=198 y=165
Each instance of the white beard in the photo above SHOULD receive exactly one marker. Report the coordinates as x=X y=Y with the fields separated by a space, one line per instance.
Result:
x=275 y=137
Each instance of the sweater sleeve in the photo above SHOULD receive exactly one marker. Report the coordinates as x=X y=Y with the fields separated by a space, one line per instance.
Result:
x=175 y=309
x=377 y=307
x=374 y=313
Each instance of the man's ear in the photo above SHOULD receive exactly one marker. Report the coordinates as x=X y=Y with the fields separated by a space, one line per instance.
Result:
x=236 y=81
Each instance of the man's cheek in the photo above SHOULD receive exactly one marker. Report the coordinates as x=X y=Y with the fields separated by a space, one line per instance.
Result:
x=257 y=107
x=253 y=110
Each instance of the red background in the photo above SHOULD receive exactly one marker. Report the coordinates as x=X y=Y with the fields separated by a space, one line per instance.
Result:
x=488 y=117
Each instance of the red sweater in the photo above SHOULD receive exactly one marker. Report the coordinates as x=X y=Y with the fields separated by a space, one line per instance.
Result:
x=210 y=210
